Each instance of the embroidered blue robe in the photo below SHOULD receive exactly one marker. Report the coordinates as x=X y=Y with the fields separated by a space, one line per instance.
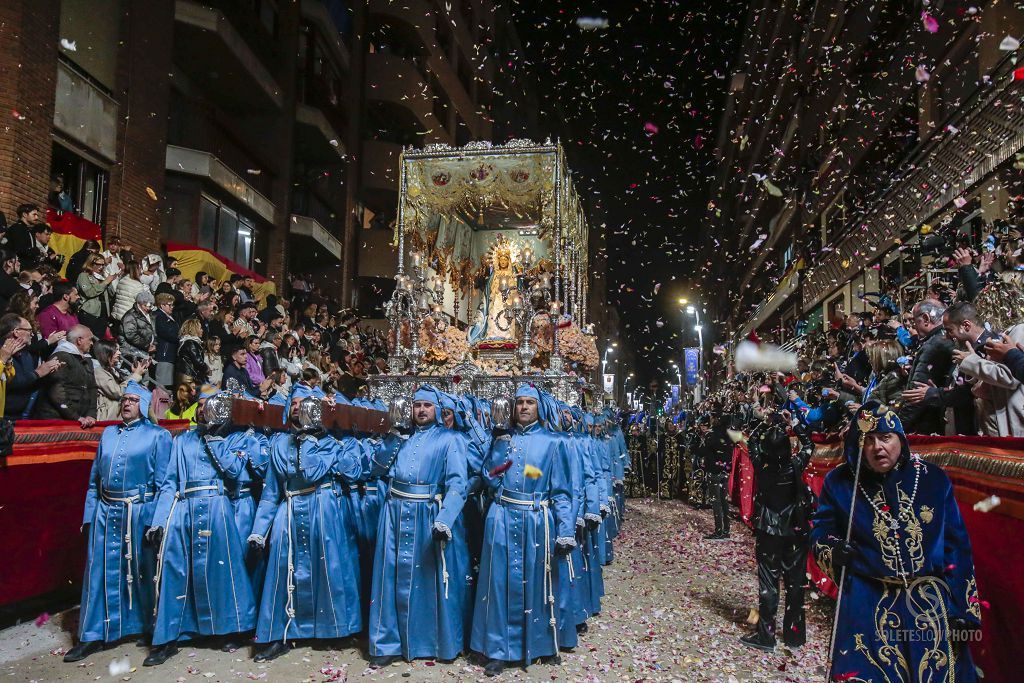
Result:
x=515 y=597
x=302 y=520
x=415 y=610
x=204 y=587
x=887 y=630
x=117 y=589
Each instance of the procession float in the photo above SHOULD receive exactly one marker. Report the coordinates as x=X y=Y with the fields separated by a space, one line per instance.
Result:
x=491 y=282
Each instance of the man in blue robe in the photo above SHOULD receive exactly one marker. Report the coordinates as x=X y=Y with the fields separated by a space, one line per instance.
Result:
x=117 y=590
x=589 y=584
x=203 y=584
x=421 y=568
x=909 y=602
x=311 y=589
x=613 y=484
x=530 y=524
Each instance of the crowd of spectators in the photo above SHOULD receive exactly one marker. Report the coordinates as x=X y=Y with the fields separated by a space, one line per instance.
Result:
x=951 y=362
x=71 y=342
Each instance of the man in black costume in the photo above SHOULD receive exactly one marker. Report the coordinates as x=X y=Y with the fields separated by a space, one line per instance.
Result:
x=715 y=451
x=780 y=527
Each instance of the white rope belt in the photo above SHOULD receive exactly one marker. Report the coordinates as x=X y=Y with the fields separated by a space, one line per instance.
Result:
x=129 y=552
x=289 y=606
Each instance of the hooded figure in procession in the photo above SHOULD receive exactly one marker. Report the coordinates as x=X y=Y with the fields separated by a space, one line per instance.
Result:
x=203 y=585
x=418 y=603
x=528 y=527
x=117 y=589
x=311 y=588
x=909 y=602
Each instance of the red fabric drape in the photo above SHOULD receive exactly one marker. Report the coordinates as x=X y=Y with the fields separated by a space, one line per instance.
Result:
x=42 y=496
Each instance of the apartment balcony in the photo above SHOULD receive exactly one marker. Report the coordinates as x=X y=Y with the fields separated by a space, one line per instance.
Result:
x=317 y=141
x=317 y=241
x=402 y=83
x=217 y=58
x=318 y=15
x=202 y=164
x=85 y=113
x=415 y=18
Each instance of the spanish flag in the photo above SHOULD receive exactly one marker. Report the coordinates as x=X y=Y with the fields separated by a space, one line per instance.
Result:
x=193 y=259
x=70 y=232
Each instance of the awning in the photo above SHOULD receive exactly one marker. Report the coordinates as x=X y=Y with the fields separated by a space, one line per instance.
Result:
x=318 y=234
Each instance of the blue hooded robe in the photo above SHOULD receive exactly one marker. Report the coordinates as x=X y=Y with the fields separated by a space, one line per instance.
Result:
x=910 y=577
x=311 y=588
x=516 y=605
x=117 y=589
x=418 y=600
x=203 y=584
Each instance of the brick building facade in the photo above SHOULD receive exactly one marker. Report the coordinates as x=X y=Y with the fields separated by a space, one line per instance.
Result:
x=260 y=130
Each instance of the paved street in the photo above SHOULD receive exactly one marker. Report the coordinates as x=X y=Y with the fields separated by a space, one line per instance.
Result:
x=675 y=609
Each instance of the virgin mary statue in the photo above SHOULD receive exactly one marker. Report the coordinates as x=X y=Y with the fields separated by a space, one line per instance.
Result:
x=492 y=304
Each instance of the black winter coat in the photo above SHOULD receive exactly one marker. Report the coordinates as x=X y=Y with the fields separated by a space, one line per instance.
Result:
x=68 y=392
x=191 y=361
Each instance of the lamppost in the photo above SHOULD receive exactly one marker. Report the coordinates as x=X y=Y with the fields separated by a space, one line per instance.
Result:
x=699 y=329
x=416 y=298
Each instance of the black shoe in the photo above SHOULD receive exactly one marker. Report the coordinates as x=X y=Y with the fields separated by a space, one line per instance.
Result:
x=83 y=650
x=271 y=652
x=381 y=662
x=159 y=655
x=551 y=659
x=231 y=643
x=582 y=628
x=494 y=667
x=755 y=640
x=713 y=537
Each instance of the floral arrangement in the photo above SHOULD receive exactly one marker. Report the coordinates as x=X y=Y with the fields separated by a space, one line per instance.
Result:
x=442 y=351
x=577 y=348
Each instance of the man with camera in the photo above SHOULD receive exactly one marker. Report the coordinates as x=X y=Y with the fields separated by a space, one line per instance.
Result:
x=1000 y=396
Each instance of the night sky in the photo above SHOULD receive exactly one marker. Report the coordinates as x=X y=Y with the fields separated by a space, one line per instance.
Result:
x=641 y=100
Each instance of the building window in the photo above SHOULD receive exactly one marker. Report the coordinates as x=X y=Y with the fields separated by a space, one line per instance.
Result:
x=231 y=234
x=83 y=185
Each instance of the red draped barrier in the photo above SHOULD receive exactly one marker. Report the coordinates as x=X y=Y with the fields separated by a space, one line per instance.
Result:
x=979 y=467
x=42 y=495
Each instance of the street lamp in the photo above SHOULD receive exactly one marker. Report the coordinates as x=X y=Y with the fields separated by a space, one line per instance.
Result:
x=698 y=328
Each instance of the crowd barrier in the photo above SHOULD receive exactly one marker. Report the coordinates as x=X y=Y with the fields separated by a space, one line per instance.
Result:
x=979 y=467
x=43 y=486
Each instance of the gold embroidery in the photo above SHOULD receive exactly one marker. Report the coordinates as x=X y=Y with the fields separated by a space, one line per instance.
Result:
x=927 y=602
x=823 y=555
x=973 y=604
x=926 y=514
x=889 y=543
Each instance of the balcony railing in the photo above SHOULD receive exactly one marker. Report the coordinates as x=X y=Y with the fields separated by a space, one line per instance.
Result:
x=988 y=131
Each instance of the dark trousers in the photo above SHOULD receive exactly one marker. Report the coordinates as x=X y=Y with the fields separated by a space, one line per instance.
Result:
x=782 y=557
x=718 y=483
